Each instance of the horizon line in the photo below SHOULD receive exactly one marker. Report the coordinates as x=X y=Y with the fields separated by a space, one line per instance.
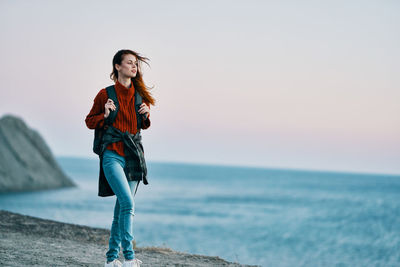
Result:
x=234 y=165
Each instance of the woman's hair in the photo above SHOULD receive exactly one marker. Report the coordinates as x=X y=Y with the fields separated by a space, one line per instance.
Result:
x=138 y=82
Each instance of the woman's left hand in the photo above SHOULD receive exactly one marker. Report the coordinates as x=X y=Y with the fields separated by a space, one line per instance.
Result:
x=145 y=110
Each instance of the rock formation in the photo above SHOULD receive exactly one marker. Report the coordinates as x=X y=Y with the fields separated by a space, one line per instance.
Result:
x=26 y=162
x=31 y=241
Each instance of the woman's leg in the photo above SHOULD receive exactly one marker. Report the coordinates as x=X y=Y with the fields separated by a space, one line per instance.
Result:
x=113 y=165
x=115 y=236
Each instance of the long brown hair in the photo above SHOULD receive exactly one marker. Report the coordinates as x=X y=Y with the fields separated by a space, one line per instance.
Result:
x=138 y=82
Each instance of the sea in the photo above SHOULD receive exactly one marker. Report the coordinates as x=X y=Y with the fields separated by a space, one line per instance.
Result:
x=260 y=216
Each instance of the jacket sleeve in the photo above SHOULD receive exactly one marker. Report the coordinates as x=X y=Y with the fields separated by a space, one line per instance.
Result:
x=95 y=118
x=146 y=122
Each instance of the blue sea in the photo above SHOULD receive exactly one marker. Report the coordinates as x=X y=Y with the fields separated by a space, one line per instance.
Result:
x=269 y=217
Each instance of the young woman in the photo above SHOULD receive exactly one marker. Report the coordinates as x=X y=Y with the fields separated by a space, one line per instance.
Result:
x=115 y=158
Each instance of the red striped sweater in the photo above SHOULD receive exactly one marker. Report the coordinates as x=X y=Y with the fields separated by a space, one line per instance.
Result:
x=126 y=116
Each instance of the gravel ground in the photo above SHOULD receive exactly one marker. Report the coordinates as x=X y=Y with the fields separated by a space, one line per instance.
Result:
x=31 y=241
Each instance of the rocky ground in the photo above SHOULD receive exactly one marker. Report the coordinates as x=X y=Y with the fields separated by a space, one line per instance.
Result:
x=30 y=241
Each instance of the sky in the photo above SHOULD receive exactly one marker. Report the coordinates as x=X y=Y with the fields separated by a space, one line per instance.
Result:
x=277 y=84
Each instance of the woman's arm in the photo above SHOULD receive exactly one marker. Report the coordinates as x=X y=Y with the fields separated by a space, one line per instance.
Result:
x=95 y=118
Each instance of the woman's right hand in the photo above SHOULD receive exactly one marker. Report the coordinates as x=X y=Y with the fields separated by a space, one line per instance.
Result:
x=108 y=107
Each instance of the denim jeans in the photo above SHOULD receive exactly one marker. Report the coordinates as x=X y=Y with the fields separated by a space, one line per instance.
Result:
x=124 y=210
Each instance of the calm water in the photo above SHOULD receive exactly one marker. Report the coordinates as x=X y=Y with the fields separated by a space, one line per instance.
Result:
x=254 y=216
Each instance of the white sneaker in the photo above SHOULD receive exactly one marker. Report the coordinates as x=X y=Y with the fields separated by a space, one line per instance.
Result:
x=132 y=263
x=114 y=263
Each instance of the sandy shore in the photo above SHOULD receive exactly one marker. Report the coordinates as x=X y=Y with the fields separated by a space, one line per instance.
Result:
x=31 y=241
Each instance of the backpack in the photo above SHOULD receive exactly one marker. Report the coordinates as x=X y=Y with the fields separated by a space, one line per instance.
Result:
x=98 y=133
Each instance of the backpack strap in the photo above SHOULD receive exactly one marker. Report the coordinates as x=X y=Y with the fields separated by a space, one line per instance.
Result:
x=138 y=102
x=99 y=132
x=113 y=113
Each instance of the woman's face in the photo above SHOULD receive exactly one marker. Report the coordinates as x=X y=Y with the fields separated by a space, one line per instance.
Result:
x=128 y=67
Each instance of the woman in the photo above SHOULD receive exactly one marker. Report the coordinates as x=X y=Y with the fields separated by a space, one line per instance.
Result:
x=114 y=158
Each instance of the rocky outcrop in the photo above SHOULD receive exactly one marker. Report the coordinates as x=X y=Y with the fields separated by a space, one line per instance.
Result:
x=31 y=241
x=26 y=162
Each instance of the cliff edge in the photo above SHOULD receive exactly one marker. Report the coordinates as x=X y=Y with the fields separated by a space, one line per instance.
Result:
x=31 y=241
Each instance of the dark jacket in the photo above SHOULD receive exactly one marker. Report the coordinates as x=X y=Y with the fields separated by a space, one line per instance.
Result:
x=135 y=164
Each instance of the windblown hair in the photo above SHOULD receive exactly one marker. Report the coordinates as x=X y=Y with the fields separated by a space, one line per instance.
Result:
x=138 y=82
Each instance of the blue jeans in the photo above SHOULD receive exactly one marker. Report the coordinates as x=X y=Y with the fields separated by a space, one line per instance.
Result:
x=124 y=210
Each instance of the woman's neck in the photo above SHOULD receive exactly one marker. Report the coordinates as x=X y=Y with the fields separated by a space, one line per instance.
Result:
x=125 y=81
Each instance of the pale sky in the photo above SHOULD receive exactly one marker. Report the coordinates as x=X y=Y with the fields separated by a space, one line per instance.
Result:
x=278 y=84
